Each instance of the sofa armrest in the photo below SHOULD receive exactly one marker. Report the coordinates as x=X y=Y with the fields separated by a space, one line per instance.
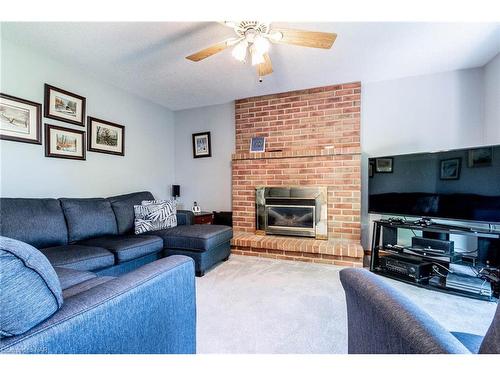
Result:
x=185 y=217
x=149 y=310
x=382 y=320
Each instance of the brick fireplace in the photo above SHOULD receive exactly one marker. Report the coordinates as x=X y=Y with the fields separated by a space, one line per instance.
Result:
x=312 y=140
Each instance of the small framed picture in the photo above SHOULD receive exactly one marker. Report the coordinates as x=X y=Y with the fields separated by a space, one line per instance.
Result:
x=258 y=144
x=450 y=169
x=20 y=120
x=105 y=137
x=64 y=106
x=201 y=145
x=383 y=165
x=371 y=167
x=480 y=157
x=64 y=143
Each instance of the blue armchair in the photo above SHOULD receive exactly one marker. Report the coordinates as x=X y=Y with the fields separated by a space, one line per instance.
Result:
x=383 y=321
x=149 y=310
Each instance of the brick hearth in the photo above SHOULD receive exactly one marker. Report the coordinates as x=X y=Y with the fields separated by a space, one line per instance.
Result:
x=338 y=252
x=312 y=139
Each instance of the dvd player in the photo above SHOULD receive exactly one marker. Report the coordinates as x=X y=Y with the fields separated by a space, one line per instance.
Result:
x=468 y=284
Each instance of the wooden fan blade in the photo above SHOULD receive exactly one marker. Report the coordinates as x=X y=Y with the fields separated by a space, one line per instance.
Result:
x=266 y=67
x=314 y=39
x=212 y=50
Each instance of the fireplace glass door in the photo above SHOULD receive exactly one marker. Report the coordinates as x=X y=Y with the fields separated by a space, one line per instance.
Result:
x=289 y=219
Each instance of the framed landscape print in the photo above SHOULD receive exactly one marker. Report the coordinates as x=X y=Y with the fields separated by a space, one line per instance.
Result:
x=64 y=143
x=450 y=169
x=65 y=106
x=383 y=165
x=201 y=145
x=20 y=120
x=105 y=137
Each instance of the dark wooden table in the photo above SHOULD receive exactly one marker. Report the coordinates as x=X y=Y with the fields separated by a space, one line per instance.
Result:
x=203 y=218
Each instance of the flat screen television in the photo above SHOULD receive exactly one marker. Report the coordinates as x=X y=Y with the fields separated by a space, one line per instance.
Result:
x=459 y=184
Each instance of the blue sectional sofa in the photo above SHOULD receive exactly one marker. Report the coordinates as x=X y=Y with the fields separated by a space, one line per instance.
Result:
x=123 y=293
x=97 y=234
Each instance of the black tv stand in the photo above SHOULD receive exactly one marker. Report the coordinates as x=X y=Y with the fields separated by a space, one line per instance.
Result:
x=391 y=257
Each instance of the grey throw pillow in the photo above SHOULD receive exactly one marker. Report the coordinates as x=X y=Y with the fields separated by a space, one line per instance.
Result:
x=30 y=290
x=155 y=215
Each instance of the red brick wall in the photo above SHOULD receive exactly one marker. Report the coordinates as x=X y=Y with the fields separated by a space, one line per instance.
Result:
x=297 y=126
x=312 y=118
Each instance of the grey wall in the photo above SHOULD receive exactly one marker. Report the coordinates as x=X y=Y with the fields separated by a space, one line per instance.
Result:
x=148 y=163
x=492 y=100
x=205 y=180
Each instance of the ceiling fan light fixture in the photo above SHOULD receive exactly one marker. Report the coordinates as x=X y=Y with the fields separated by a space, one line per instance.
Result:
x=257 y=58
x=240 y=51
x=261 y=44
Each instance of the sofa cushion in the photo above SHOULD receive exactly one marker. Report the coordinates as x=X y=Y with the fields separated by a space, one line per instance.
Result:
x=38 y=222
x=79 y=257
x=30 y=288
x=199 y=237
x=127 y=247
x=154 y=215
x=185 y=217
x=69 y=277
x=123 y=207
x=88 y=217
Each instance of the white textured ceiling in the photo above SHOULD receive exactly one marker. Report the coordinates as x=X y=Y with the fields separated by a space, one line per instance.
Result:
x=148 y=58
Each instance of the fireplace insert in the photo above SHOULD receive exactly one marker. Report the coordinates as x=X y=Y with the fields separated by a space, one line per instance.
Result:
x=294 y=211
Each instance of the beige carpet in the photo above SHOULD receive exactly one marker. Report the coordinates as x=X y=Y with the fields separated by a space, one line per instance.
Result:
x=257 y=305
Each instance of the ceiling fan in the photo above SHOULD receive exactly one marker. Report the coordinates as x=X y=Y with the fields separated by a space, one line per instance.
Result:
x=254 y=38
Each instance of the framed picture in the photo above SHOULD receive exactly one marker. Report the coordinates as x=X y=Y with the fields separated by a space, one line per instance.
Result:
x=20 y=120
x=480 y=157
x=105 y=137
x=450 y=169
x=383 y=165
x=201 y=145
x=258 y=144
x=371 y=167
x=65 y=106
x=64 y=143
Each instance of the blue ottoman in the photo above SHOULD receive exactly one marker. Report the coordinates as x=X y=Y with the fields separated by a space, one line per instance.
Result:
x=206 y=244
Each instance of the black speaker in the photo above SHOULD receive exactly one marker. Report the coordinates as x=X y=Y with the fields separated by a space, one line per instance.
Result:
x=176 y=190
